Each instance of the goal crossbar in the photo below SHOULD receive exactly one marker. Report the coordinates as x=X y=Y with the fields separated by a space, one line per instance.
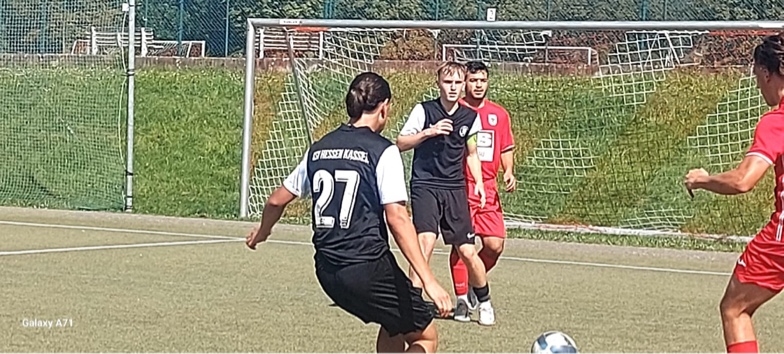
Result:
x=529 y=25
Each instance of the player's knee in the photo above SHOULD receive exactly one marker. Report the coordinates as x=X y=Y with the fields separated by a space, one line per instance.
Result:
x=731 y=306
x=467 y=252
x=493 y=249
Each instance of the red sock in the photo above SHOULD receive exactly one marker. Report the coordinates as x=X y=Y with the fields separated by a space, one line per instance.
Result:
x=743 y=347
x=488 y=259
x=459 y=273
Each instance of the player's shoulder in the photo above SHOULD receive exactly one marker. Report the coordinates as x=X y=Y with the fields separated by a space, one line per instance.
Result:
x=428 y=103
x=773 y=119
x=496 y=108
x=466 y=110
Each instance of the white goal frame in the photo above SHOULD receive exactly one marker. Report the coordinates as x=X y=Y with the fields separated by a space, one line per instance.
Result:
x=253 y=24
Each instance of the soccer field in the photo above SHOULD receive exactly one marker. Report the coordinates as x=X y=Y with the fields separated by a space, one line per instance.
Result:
x=134 y=283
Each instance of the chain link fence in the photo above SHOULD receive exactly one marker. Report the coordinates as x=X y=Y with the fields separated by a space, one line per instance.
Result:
x=219 y=25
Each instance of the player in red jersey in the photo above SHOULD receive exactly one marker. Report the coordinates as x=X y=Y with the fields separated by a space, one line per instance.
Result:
x=495 y=147
x=759 y=273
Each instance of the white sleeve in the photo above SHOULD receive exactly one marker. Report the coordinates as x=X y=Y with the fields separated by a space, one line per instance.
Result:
x=390 y=177
x=415 y=122
x=476 y=127
x=297 y=182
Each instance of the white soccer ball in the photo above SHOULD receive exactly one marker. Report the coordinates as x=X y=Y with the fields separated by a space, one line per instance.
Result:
x=554 y=342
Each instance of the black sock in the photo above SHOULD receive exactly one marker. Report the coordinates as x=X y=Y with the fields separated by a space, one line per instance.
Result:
x=483 y=293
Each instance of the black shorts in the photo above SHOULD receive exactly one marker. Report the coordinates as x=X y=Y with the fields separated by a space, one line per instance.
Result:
x=444 y=210
x=379 y=292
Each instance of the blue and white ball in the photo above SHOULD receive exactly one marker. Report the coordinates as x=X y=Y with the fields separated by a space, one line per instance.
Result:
x=554 y=342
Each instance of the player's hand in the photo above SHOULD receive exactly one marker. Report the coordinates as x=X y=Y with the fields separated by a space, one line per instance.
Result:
x=692 y=179
x=511 y=182
x=440 y=297
x=442 y=127
x=255 y=236
x=479 y=189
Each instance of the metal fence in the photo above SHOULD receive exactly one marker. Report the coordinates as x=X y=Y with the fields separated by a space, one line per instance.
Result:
x=220 y=24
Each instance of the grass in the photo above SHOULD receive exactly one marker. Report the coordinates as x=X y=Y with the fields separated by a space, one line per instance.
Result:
x=59 y=144
x=583 y=156
x=220 y=297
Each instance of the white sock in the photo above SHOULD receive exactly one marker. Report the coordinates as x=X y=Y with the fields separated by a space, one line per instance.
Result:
x=463 y=298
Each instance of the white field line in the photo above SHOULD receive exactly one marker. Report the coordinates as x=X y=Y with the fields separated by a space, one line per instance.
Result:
x=561 y=262
x=108 y=247
x=220 y=239
x=124 y=231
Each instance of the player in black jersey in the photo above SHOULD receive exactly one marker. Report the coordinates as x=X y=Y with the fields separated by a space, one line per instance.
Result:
x=355 y=177
x=443 y=135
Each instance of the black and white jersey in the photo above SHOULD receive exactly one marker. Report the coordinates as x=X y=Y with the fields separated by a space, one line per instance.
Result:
x=351 y=173
x=439 y=161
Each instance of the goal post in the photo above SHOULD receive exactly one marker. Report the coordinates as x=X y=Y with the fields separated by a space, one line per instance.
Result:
x=605 y=127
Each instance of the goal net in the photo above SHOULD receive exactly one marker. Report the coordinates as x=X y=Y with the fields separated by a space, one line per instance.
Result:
x=606 y=122
x=60 y=131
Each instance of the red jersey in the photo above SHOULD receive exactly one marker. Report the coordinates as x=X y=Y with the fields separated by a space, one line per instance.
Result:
x=769 y=145
x=494 y=139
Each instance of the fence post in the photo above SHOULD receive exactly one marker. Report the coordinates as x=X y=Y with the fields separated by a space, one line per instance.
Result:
x=180 y=29
x=644 y=10
x=130 y=123
x=93 y=41
x=226 y=29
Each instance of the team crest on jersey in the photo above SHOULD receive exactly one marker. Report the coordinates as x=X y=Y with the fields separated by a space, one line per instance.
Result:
x=492 y=119
x=463 y=131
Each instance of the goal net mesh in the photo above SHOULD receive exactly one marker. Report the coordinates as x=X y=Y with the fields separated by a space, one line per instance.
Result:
x=60 y=114
x=606 y=123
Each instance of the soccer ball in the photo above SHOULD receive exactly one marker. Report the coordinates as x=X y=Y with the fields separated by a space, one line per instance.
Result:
x=554 y=342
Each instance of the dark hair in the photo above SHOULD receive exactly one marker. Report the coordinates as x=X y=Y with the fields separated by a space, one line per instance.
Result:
x=473 y=67
x=770 y=53
x=365 y=93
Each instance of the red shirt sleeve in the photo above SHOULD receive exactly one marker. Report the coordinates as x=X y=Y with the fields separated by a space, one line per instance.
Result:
x=769 y=138
x=506 y=138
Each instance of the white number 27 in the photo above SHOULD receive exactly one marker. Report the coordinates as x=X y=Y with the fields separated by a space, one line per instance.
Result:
x=324 y=182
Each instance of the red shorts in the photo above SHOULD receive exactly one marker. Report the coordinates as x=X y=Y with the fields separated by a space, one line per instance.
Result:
x=487 y=221
x=762 y=262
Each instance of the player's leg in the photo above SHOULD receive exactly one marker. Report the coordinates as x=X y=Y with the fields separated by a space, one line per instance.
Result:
x=459 y=272
x=492 y=247
x=406 y=319
x=425 y=215
x=465 y=301
x=737 y=306
x=386 y=343
x=424 y=341
x=757 y=278
x=459 y=233
x=427 y=242
x=489 y=226
x=380 y=292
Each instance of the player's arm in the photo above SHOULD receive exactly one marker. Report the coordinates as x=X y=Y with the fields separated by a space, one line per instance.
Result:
x=766 y=148
x=390 y=179
x=507 y=155
x=414 y=131
x=472 y=159
x=295 y=185
x=736 y=181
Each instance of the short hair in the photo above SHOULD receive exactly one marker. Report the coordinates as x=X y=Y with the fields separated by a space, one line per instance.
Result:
x=366 y=92
x=450 y=68
x=770 y=53
x=473 y=67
